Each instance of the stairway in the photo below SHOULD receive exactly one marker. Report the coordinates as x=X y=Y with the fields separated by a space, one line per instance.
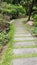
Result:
x=25 y=51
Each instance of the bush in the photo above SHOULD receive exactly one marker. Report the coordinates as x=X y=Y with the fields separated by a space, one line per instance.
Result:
x=4 y=29
x=15 y=13
x=35 y=31
x=3 y=38
x=21 y=9
x=35 y=17
x=35 y=25
x=35 y=20
x=10 y=9
x=4 y=26
x=34 y=13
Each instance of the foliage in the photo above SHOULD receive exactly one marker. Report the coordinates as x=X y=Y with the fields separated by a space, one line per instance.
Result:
x=35 y=20
x=35 y=31
x=21 y=9
x=35 y=25
x=3 y=39
x=35 y=17
x=7 y=57
x=4 y=29
x=4 y=26
x=10 y=9
x=29 y=5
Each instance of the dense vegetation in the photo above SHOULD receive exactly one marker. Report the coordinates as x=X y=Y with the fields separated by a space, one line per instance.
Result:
x=35 y=25
x=11 y=9
x=4 y=29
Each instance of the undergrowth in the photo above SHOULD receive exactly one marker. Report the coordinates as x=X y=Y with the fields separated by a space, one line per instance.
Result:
x=7 y=57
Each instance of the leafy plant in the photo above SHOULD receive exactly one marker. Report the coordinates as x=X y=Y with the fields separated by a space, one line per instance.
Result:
x=35 y=17
x=11 y=9
x=35 y=31
x=35 y=24
x=21 y=9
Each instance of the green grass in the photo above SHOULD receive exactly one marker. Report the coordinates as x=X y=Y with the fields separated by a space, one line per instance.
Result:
x=30 y=29
x=33 y=46
x=7 y=57
x=24 y=56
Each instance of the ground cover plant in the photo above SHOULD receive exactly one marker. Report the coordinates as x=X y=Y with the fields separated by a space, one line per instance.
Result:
x=35 y=25
x=7 y=55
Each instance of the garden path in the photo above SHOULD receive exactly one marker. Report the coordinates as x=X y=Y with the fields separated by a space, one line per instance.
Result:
x=24 y=50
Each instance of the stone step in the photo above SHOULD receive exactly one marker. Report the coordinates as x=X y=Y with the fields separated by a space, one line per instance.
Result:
x=19 y=26
x=21 y=31
x=16 y=28
x=24 y=43
x=26 y=38
x=22 y=34
x=25 y=61
x=25 y=51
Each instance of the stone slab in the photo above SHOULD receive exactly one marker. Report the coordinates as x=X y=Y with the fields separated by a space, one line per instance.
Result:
x=25 y=51
x=25 y=61
x=26 y=38
x=22 y=34
x=24 y=43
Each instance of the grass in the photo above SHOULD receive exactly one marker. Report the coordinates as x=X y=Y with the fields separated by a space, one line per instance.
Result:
x=24 y=56
x=33 y=46
x=30 y=29
x=7 y=57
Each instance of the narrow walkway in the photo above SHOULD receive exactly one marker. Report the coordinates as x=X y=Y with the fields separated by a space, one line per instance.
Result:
x=24 y=45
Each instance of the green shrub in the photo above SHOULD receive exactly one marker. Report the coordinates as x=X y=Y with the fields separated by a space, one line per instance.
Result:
x=10 y=9
x=4 y=30
x=35 y=24
x=3 y=38
x=4 y=26
x=35 y=17
x=35 y=20
x=35 y=30
x=21 y=9
x=15 y=13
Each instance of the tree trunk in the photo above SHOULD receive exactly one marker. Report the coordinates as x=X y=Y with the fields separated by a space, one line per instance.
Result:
x=30 y=9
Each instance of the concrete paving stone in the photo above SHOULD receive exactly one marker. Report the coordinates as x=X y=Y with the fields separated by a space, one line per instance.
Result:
x=24 y=43
x=21 y=31
x=17 y=29
x=25 y=51
x=18 y=32
x=22 y=34
x=25 y=61
x=26 y=38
